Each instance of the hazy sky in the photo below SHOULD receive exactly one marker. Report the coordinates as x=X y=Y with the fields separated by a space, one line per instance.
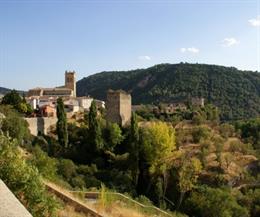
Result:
x=39 y=40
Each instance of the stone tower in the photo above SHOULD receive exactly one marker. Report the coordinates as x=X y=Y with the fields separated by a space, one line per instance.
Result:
x=118 y=107
x=70 y=81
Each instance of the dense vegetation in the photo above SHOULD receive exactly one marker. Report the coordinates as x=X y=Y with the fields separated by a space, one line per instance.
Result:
x=20 y=176
x=4 y=91
x=236 y=93
x=188 y=162
x=19 y=103
x=172 y=163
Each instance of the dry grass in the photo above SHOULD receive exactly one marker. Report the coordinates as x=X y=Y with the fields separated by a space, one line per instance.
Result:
x=69 y=211
x=117 y=209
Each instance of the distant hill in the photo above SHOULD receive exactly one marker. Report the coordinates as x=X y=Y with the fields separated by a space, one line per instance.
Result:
x=235 y=92
x=4 y=90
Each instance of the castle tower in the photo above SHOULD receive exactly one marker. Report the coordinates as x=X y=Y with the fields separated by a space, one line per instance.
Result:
x=118 y=107
x=70 y=81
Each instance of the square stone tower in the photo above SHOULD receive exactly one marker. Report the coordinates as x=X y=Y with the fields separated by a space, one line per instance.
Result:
x=118 y=106
x=70 y=81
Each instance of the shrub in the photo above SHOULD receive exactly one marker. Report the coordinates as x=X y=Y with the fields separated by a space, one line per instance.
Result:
x=226 y=130
x=67 y=168
x=214 y=202
x=200 y=133
x=47 y=166
x=24 y=180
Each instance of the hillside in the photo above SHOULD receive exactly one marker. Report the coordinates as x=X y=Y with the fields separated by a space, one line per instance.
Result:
x=235 y=92
x=4 y=90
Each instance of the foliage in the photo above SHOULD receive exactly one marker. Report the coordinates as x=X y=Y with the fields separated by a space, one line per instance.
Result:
x=234 y=92
x=24 y=180
x=134 y=149
x=46 y=166
x=66 y=168
x=159 y=146
x=13 y=98
x=200 y=133
x=214 y=202
x=61 y=126
x=250 y=131
x=14 y=125
x=94 y=128
x=251 y=200
x=113 y=136
x=188 y=176
x=226 y=130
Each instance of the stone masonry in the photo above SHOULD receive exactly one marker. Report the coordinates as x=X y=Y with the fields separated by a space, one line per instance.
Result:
x=40 y=124
x=10 y=206
x=118 y=107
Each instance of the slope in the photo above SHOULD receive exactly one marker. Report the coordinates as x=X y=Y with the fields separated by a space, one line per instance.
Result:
x=235 y=92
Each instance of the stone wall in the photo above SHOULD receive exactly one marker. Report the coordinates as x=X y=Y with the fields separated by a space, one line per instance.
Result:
x=10 y=206
x=40 y=124
x=125 y=108
x=118 y=107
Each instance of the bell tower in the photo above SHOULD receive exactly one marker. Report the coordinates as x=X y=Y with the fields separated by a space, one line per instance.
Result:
x=70 y=81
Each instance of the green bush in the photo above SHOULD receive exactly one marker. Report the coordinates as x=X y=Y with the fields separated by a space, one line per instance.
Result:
x=47 y=166
x=14 y=125
x=78 y=182
x=226 y=130
x=214 y=202
x=67 y=168
x=199 y=134
x=24 y=180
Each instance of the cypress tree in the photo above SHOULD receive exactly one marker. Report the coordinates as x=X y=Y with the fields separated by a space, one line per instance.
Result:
x=61 y=125
x=95 y=133
x=134 y=146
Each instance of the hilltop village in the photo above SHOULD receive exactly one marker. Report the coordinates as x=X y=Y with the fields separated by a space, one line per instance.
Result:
x=118 y=105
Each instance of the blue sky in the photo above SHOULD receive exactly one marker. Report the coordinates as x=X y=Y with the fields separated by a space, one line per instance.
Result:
x=39 y=40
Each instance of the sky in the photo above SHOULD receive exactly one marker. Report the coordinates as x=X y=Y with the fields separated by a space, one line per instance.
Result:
x=40 y=39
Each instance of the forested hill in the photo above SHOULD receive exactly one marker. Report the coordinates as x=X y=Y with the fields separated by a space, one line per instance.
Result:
x=235 y=92
x=4 y=90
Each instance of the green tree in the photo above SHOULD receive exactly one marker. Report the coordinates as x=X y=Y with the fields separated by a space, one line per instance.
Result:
x=158 y=146
x=226 y=130
x=214 y=202
x=134 y=149
x=188 y=176
x=12 y=98
x=219 y=145
x=61 y=125
x=14 y=125
x=67 y=168
x=200 y=133
x=114 y=136
x=94 y=128
x=24 y=180
x=46 y=166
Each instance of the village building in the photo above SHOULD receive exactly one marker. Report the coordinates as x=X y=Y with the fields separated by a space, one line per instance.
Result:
x=198 y=101
x=100 y=104
x=68 y=90
x=48 y=111
x=71 y=105
x=118 y=107
x=85 y=102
